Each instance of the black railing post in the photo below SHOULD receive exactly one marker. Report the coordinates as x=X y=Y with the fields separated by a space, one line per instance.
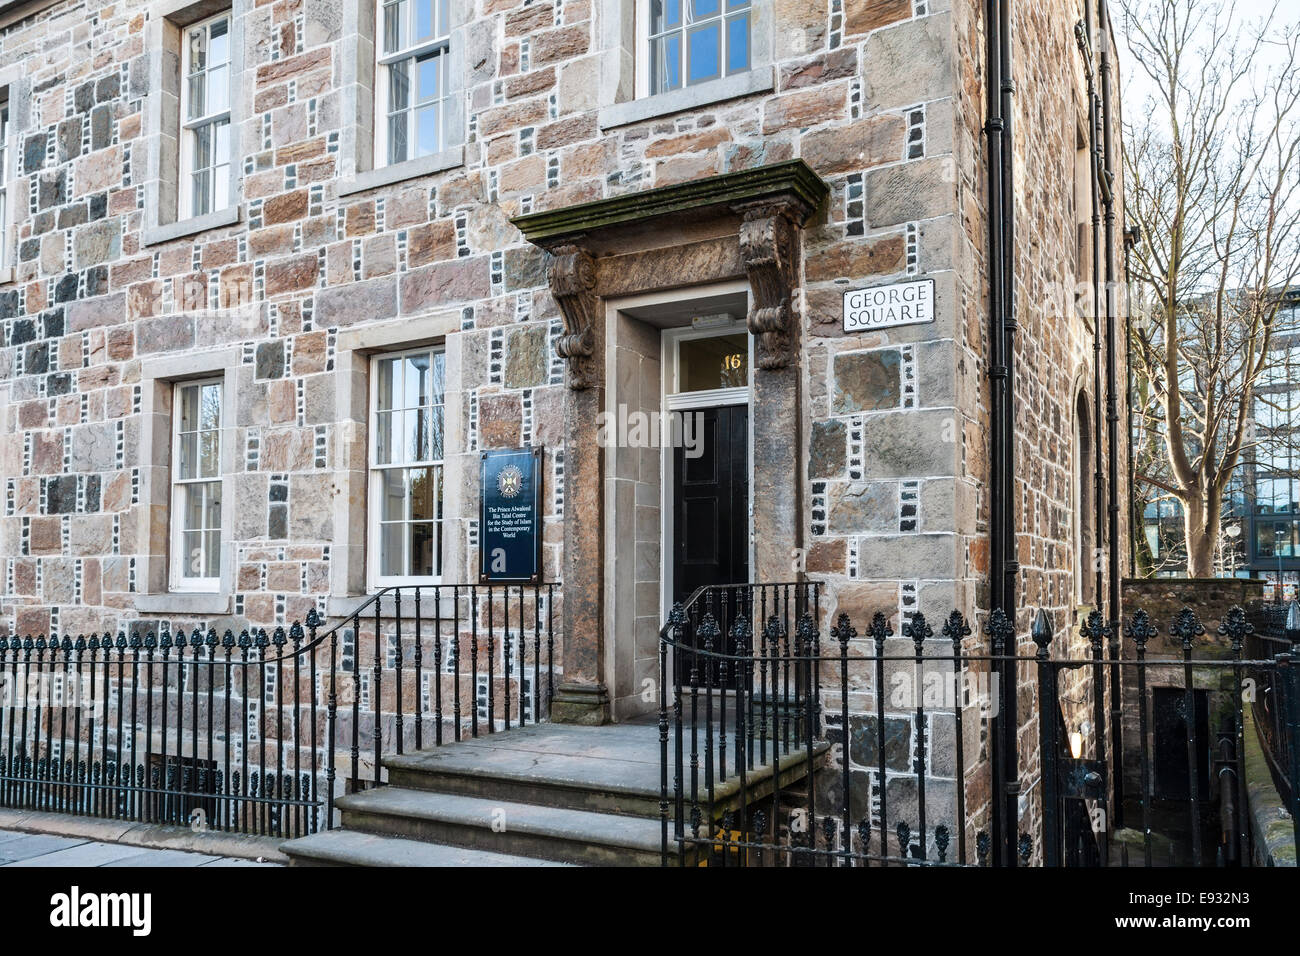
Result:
x=919 y=630
x=1006 y=777
x=842 y=632
x=878 y=631
x=1141 y=630
x=1048 y=745
x=1236 y=628
x=1096 y=630
x=1186 y=628
x=956 y=630
x=677 y=624
x=663 y=752
x=1289 y=670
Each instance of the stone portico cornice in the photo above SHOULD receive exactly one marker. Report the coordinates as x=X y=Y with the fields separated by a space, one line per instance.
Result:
x=791 y=183
x=768 y=204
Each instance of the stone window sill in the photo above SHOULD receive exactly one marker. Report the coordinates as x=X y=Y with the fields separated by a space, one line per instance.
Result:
x=6 y=275
x=184 y=602
x=336 y=606
x=412 y=168
x=758 y=80
x=188 y=227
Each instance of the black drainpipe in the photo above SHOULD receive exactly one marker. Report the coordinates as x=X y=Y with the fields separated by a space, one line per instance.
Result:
x=1009 y=324
x=997 y=38
x=1132 y=236
x=1112 y=425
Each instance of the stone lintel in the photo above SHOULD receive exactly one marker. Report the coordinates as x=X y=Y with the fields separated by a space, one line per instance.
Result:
x=670 y=267
x=792 y=182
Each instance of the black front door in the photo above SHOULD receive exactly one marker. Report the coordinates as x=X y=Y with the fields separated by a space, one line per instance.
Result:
x=711 y=499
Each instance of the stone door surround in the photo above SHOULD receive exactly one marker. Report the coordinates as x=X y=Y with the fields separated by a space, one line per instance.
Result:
x=742 y=224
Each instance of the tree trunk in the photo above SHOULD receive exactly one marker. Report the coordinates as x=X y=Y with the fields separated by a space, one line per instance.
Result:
x=1201 y=524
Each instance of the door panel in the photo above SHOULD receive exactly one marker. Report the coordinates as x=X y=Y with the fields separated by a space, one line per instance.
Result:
x=711 y=522
x=711 y=502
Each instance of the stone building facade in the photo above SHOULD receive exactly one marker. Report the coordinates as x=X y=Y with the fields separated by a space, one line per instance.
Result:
x=544 y=232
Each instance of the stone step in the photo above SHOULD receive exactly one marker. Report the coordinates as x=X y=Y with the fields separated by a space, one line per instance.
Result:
x=612 y=769
x=550 y=833
x=354 y=848
x=553 y=781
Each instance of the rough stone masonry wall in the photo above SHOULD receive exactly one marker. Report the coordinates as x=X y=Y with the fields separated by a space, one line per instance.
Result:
x=90 y=301
x=1053 y=357
x=881 y=97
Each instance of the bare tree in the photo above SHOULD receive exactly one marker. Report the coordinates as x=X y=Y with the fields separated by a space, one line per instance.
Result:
x=1210 y=164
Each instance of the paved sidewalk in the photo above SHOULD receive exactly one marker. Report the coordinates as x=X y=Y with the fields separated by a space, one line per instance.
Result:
x=43 y=849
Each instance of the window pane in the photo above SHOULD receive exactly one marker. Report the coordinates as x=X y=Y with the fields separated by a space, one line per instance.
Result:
x=392 y=495
x=189 y=456
x=198 y=50
x=720 y=361
x=666 y=57
x=738 y=44
x=390 y=550
x=435 y=433
x=388 y=382
x=395 y=30
x=219 y=43
x=192 y=564
x=426 y=494
x=426 y=130
x=202 y=190
x=399 y=86
x=188 y=396
x=384 y=436
x=665 y=14
x=424 y=20
x=221 y=187
x=397 y=138
x=192 y=509
x=203 y=146
x=436 y=379
x=212 y=505
x=212 y=555
x=209 y=454
x=427 y=78
x=219 y=89
x=197 y=99
x=423 y=542
x=704 y=8
x=417 y=380
x=702 y=53
x=417 y=434
x=210 y=412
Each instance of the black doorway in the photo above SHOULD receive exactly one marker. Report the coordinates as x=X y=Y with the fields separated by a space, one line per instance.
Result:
x=710 y=488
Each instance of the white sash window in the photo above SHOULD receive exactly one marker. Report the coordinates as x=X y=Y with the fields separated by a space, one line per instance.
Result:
x=406 y=467
x=206 y=77
x=196 y=486
x=412 y=80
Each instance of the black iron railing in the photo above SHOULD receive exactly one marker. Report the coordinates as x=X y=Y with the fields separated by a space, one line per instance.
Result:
x=1275 y=631
x=257 y=732
x=785 y=744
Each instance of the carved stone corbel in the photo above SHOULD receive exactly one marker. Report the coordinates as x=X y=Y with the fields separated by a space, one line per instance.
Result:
x=768 y=239
x=572 y=277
